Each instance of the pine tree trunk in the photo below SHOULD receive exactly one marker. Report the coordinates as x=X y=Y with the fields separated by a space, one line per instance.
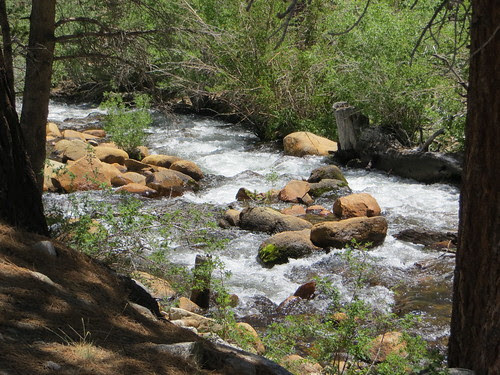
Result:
x=475 y=327
x=37 y=82
x=20 y=199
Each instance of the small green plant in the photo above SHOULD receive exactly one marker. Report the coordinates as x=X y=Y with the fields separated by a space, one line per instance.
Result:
x=127 y=126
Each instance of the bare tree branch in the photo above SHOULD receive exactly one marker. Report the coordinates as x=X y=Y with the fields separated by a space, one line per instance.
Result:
x=71 y=37
x=348 y=30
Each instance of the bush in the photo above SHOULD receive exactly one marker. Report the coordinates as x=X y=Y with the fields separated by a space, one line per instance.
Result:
x=127 y=126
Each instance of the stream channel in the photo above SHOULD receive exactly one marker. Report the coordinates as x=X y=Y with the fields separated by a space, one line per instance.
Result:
x=408 y=278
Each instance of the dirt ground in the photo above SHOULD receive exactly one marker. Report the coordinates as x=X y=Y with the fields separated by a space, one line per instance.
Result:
x=67 y=314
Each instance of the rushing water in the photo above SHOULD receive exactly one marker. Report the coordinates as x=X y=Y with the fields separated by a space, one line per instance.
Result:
x=238 y=159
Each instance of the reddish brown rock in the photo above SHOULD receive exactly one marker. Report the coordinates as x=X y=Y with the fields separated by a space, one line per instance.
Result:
x=306 y=291
x=164 y=161
x=189 y=168
x=338 y=234
x=385 y=344
x=84 y=174
x=356 y=205
x=99 y=133
x=111 y=155
x=294 y=191
x=295 y=210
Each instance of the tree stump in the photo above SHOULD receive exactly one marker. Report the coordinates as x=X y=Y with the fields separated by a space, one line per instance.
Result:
x=350 y=123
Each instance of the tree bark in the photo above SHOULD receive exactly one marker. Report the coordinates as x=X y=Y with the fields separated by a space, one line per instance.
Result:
x=37 y=83
x=20 y=199
x=7 y=47
x=475 y=326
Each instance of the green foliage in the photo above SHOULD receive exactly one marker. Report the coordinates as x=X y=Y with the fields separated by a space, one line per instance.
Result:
x=269 y=253
x=126 y=126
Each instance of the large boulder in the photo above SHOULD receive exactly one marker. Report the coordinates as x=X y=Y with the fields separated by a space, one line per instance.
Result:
x=75 y=149
x=338 y=234
x=84 y=174
x=127 y=178
x=331 y=172
x=53 y=130
x=278 y=248
x=99 y=133
x=73 y=134
x=268 y=220
x=329 y=188
x=294 y=191
x=164 y=161
x=137 y=166
x=305 y=143
x=111 y=155
x=168 y=183
x=110 y=171
x=356 y=205
x=189 y=168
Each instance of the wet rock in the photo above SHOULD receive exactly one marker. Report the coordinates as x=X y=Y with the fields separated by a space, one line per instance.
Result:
x=86 y=173
x=356 y=205
x=139 y=189
x=338 y=234
x=318 y=210
x=268 y=220
x=295 y=210
x=244 y=195
x=232 y=217
x=306 y=291
x=189 y=168
x=329 y=188
x=160 y=160
x=294 y=191
x=281 y=246
x=327 y=172
x=385 y=344
x=288 y=303
x=428 y=238
x=111 y=155
x=305 y=143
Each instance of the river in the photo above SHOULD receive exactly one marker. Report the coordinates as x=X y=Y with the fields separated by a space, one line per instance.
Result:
x=233 y=157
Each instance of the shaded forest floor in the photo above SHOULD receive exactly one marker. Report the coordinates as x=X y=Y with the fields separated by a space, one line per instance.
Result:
x=70 y=314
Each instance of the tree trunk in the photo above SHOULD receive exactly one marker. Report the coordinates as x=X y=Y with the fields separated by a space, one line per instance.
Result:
x=7 y=47
x=37 y=82
x=20 y=199
x=350 y=123
x=475 y=326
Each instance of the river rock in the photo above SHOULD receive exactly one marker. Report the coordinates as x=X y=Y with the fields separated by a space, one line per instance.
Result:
x=330 y=172
x=385 y=344
x=318 y=210
x=306 y=291
x=188 y=305
x=293 y=244
x=139 y=189
x=251 y=336
x=338 y=234
x=99 y=133
x=233 y=217
x=67 y=149
x=51 y=169
x=110 y=171
x=268 y=220
x=53 y=130
x=73 y=134
x=356 y=205
x=137 y=166
x=329 y=188
x=166 y=183
x=295 y=210
x=294 y=191
x=111 y=155
x=157 y=287
x=189 y=168
x=428 y=238
x=86 y=173
x=301 y=366
x=128 y=178
x=164 y=161
x=305 y=143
